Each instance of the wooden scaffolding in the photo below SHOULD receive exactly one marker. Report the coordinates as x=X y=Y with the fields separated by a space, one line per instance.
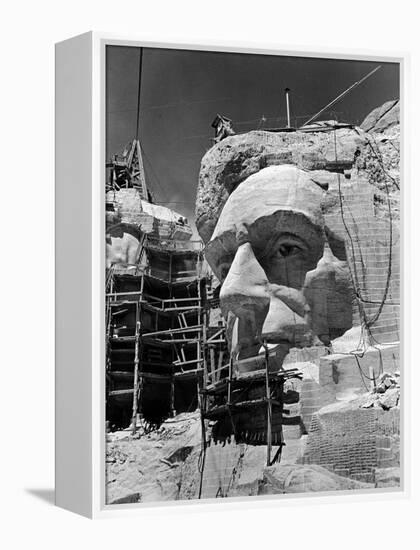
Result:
x=154 y=332
x=247 y=404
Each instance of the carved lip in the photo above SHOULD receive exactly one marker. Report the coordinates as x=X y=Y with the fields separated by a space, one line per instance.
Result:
x=273 y=346
x=252 y=347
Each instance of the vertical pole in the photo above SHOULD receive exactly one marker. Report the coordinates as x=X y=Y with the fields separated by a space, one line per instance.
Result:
x=287 y=90
x=281 y=398
x=202 y=421
x=111 y=285
x=138 y=378
x=230 y=378
x=199 y=372
x=372 y=378
x=172 y=404
x=205 y=374
x=212 y=365
x=201 y=354
x=220 y=364
x=136 y=374
x=200 y=365
x=269 y=411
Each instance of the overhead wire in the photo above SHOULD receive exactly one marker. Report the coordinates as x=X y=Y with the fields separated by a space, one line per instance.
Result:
x=152 y=170
x=139 y=92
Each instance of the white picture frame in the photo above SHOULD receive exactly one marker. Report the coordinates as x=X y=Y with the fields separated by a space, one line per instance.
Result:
x=80 y=303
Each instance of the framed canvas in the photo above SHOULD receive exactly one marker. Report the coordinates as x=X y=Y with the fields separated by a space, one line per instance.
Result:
x=228 y=274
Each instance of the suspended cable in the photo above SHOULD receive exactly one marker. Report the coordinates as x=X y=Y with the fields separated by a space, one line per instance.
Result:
x=157 y=181
x=343 y=94
x=139 y=92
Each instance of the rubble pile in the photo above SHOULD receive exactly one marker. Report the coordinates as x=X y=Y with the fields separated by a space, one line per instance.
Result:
x=385 y=394
x=147 y=467
x=165 y=465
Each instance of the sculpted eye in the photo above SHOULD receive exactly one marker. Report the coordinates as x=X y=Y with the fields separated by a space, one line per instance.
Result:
x=285 y=250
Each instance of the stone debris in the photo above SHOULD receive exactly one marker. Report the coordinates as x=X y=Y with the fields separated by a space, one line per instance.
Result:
x=386 y=394
x=149 y=467
x=369 y=401
x=387 y=477
x=390 y=398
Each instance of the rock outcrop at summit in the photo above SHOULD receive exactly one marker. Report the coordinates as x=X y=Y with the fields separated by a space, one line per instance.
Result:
x=371 y=151
x=383 y=118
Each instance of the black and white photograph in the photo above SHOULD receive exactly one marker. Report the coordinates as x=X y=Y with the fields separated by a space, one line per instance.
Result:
x=252 y=300
x=210 y=306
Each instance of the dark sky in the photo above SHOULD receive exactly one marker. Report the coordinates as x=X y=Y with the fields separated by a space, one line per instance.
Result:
x=182 y=91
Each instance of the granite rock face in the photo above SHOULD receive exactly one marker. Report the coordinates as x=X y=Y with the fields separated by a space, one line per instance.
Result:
x=332 y=185
x=129 y=218
x=371 y=150
x=126 y=207
x=383 y=118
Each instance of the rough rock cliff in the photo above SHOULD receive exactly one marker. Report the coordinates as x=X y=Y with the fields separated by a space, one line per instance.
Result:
x=372 y=151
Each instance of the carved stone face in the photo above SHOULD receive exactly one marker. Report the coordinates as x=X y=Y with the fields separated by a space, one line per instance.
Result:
x=281 y=283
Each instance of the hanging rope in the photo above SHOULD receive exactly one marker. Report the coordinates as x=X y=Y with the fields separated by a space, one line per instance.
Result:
x=139 y=93
x=368 y=322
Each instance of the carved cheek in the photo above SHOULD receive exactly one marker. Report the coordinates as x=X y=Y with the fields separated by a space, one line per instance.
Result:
x=329 y=293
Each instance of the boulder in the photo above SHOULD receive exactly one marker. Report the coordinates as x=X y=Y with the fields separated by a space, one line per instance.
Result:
x=382 y=118
x=390 y=398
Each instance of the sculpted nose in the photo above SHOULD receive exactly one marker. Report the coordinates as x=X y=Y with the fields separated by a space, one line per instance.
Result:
x=245 y=287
